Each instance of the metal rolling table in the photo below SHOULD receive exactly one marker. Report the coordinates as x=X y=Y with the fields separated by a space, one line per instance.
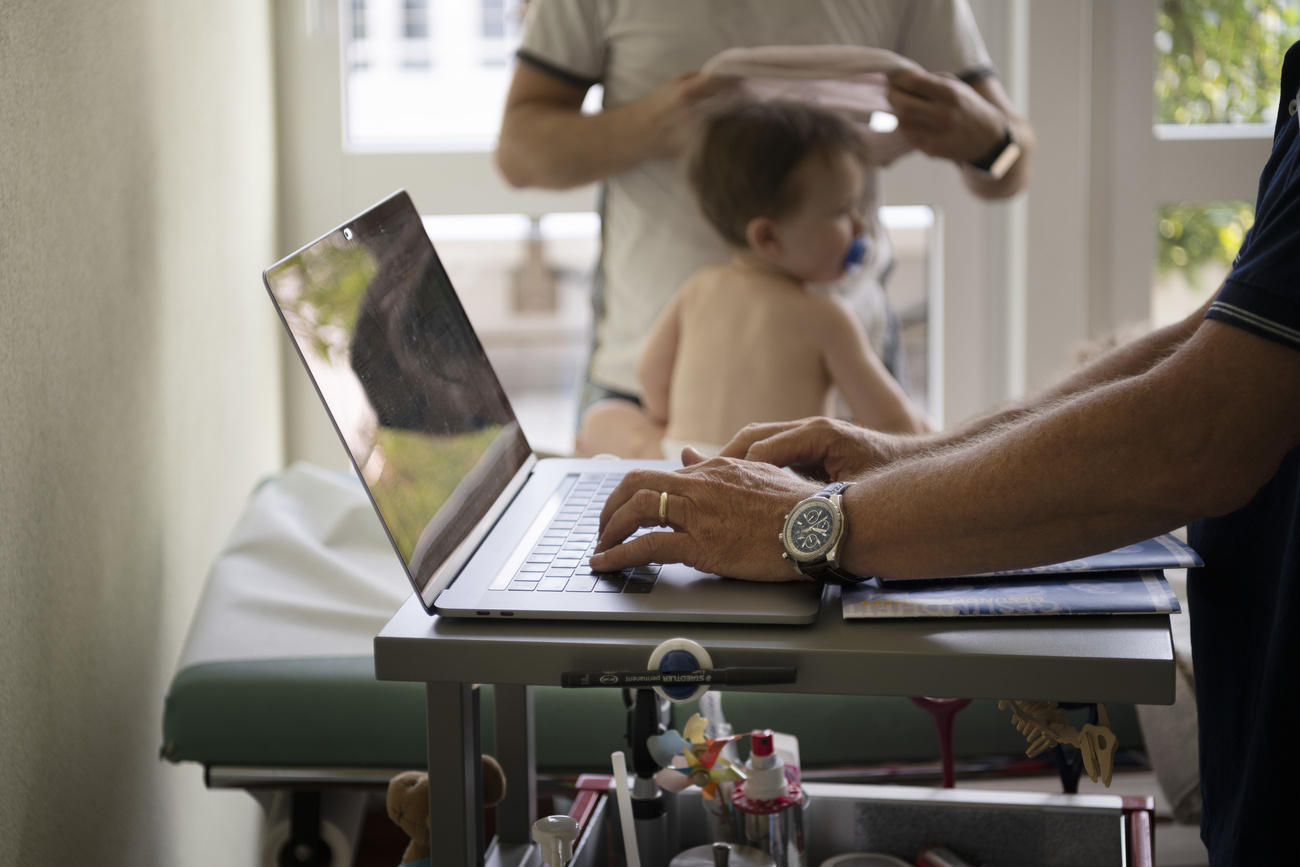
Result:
x=1120 y=658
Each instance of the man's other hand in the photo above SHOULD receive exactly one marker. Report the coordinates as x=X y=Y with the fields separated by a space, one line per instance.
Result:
x=944 y=116
x=825 y=449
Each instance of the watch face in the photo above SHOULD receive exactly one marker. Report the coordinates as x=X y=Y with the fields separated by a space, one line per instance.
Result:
x=810 y=530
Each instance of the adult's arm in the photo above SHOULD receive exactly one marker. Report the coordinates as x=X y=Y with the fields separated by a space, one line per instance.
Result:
x=945 y=117
x=1195 y=435
x=546 y=140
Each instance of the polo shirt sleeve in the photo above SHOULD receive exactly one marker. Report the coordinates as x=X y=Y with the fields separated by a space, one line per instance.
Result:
x=566 y=39
x=1262 y=292
x=942 y=36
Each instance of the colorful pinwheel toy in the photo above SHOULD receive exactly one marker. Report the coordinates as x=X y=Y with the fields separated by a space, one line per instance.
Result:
x=692 y=759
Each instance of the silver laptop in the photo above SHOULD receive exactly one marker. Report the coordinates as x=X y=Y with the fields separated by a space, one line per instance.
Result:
x=484 y=528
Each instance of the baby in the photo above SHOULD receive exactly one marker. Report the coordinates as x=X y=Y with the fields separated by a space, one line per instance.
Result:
x=748 y=341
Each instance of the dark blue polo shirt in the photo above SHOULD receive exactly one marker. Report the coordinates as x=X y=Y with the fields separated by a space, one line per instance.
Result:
x=1245 y=602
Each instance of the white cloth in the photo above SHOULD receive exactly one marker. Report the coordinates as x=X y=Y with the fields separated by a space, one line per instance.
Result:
x=849 y=79
x=307 y=572
x=654 y=234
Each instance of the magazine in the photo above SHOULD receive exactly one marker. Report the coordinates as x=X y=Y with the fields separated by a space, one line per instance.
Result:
x=1127 y=580
x=1136 y=592
x=1161 y=552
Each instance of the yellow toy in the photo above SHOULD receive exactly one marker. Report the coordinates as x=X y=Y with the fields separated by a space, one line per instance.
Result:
x=1043 y=724
x=690 y=758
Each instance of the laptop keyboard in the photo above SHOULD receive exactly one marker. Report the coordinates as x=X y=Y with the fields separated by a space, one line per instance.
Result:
x=558 y=562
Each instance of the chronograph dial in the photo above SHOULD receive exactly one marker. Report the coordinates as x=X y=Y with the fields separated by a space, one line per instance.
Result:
x=813 y=530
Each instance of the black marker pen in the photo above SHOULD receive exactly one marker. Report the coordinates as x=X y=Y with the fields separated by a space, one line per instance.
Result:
x=750 y=675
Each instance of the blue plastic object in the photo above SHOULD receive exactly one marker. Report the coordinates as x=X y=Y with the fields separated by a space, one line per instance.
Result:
x=857 y=253
x=679 y=660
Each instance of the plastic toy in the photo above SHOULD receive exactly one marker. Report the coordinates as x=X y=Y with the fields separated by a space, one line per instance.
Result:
x=408 y=805
x=1044 y=725
x=554 y=836
x=690 y=758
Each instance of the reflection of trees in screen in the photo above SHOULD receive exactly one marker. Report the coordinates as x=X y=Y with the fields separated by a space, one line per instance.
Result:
x=418 y=474
x=332 y=280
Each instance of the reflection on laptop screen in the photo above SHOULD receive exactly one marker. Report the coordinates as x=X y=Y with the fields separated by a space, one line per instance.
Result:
x=404 y=377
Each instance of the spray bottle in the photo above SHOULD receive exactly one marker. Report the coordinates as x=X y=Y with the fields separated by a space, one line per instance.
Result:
x=769 y=804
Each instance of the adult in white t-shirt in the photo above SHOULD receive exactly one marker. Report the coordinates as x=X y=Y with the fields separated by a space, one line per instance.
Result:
x=646 y=55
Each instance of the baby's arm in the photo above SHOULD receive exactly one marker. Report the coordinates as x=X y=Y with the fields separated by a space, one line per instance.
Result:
x=654 y=368
x=875 y=398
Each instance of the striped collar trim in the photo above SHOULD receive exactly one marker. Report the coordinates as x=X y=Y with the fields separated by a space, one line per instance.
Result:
x=1292 y=335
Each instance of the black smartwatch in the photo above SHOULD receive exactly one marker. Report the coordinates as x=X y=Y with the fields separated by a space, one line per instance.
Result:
x=997 y=162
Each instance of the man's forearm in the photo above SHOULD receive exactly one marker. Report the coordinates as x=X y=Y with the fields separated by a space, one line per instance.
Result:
x=1081 y=476
x=554 y=148
x=1195 y=435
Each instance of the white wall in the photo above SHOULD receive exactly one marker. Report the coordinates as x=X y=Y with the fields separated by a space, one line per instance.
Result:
x=139 y=402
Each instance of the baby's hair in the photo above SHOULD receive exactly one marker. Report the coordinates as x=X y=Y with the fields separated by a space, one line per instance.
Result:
x=741 y=159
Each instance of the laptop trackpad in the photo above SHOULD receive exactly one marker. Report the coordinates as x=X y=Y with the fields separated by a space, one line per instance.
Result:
x=690 y=590
x=677 y=594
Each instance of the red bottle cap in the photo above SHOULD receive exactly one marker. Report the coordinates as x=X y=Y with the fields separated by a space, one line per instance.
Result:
x=760 y=742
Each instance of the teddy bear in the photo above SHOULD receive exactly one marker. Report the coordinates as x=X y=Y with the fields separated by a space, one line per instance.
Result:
x=408 y=804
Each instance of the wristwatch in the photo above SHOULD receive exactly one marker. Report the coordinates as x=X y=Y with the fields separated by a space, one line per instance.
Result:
x=812 y=533
x=998 y=161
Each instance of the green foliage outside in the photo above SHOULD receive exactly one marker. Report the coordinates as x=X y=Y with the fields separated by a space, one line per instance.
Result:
x=442 y=462
x=1217 y=61
x=1193 y=236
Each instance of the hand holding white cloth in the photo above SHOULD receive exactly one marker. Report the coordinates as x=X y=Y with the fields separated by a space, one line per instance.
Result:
x=849 y=79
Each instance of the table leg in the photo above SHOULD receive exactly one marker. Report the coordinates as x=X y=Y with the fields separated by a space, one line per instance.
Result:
x=455 y=773
x=515 y=739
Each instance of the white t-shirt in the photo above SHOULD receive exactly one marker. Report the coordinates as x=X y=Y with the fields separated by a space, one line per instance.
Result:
x=653 y=234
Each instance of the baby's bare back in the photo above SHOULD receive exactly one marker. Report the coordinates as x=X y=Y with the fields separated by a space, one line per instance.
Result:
x=748 y=351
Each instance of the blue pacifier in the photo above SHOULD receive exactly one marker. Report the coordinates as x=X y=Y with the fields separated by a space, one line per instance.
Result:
x=857 y=253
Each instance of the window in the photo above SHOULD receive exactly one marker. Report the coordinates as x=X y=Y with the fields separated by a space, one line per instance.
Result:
x=1217 y=64
x=415 y=19
x=414 y=49
x=494 y=22
x=499 y=28
x=355 y=27
x=1217 y=61
x=1195 y=245
x=428 y=75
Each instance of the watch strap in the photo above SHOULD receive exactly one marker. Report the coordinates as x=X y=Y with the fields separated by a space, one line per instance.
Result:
x=832 y=489
x=999 y=160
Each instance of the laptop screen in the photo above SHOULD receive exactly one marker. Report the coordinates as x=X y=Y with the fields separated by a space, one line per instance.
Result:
x=404 y=377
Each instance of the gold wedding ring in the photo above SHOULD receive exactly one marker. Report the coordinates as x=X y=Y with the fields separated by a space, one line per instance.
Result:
x=663 y=509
